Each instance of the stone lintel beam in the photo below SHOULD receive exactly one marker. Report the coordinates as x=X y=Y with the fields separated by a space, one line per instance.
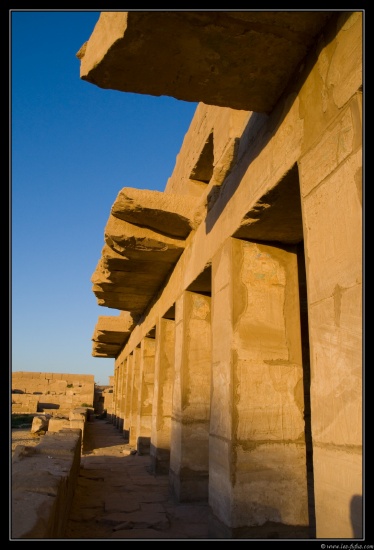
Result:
x=141 y=243
x=166 y=213
x=242 y=60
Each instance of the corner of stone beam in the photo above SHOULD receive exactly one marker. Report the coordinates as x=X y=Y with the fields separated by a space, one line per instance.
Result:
x=164 y=213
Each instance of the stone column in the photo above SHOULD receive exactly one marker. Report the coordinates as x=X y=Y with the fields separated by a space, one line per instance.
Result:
x=257 y=457
x=127 y=416
x=189 y=461
x=135 y=385
x=331 y=183
x=145 y=397
x=123 y=371
x=119 y=421
x=163 y=396
x=116 y=395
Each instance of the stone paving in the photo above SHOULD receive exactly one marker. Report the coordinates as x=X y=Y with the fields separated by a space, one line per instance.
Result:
x=117 y=496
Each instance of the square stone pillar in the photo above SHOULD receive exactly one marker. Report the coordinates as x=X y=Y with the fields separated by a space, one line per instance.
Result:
x=145 y=397
x=134 y=389
x=189 y=460
x=123 y=375
x=163 y=396
x=127 y=415
x=331 y=183
x=257 y=455
x=119 y=400
x=117 y=395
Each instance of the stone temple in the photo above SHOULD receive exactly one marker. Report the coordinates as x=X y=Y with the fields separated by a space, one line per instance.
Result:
x=238 y=348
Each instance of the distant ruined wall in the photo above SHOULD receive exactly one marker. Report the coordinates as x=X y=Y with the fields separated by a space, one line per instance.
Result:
x=103 y=400
x=56 y=392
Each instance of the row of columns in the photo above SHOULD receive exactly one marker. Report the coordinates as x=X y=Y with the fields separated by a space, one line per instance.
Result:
x=218 y=395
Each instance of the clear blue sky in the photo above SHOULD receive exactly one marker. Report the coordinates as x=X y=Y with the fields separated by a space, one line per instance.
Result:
x=73 y=147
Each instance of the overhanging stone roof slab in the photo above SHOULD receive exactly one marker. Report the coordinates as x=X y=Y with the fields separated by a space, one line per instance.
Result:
x=113 y=261
x=100 y=349
x=111 y=333
x=238 y=59
x=166 y=213
x=135 y=259
x=140 y=242
x=121 y=301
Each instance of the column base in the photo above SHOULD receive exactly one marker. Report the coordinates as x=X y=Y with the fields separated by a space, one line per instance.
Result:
x=143 y=445
x=189 y=485
x=160 y=460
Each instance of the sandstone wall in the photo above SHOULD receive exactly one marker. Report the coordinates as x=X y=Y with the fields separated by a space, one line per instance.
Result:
x=44 y=478
x=55 y=392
